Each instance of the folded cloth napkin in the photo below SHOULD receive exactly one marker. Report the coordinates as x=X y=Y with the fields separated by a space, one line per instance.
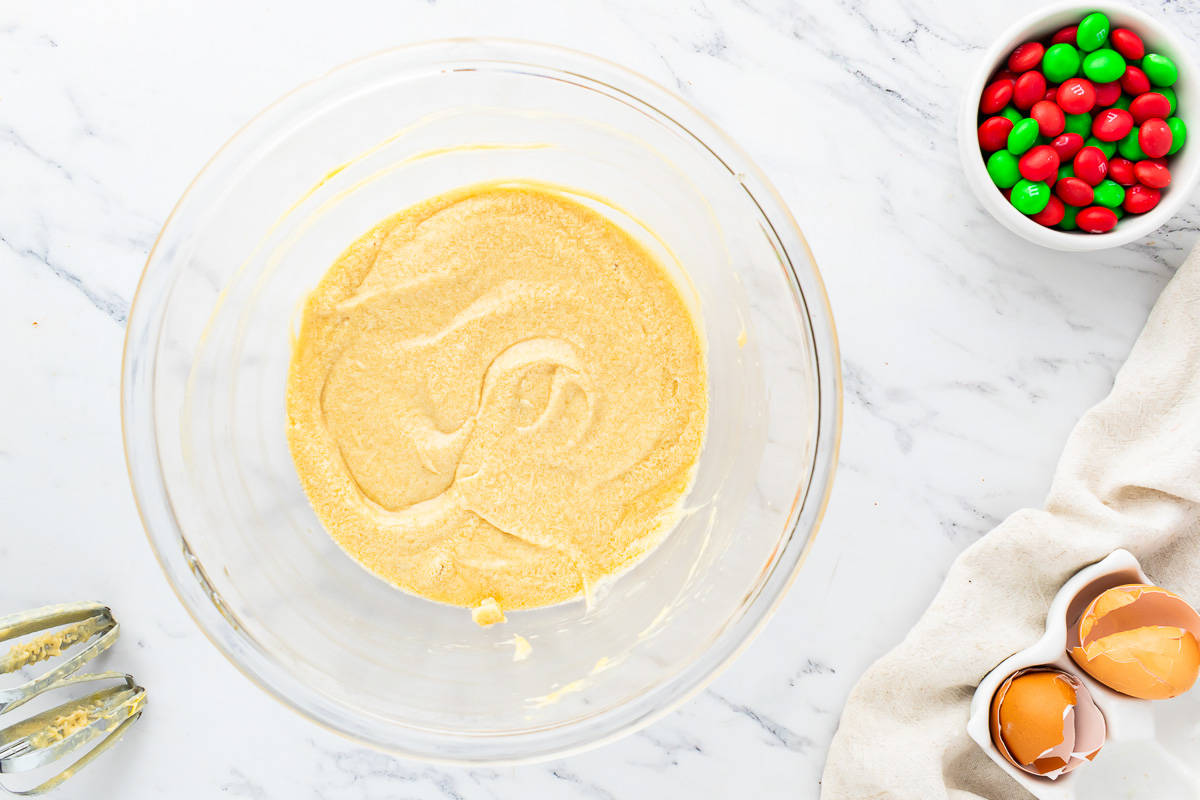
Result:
x=1129 y=477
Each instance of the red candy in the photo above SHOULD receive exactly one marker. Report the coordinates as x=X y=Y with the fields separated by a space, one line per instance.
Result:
x=1096 y=219
x=1112 y=124
x=1150 y=105
x=1039 y=164
x=1006 y=75
x=1134 y=81
x=1029 y=89
x=1152 y=173
x=1067 y=146
x=996 y=96
x=1127 y=43
x=1107 y=93
x=1067 y=35
x=1052 y=214
x=1027 y=56
x=1121 y=171
x=1155 y=138
x=1140 y=199
x=1050 y=118
x=1091 y=165
x=993 y=133
x=1076 y=96
x=1051 y=93
x=1074 y=192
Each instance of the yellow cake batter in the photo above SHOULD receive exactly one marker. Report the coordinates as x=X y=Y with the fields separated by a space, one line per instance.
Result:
x=496 y=398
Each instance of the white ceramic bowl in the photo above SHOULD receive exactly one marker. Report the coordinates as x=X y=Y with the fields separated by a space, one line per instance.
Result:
x=1185 y=165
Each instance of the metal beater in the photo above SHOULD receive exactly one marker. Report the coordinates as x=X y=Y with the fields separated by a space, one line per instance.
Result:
x=93 y=720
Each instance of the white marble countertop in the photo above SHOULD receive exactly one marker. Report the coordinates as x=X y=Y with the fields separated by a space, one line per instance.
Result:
x=968 y=352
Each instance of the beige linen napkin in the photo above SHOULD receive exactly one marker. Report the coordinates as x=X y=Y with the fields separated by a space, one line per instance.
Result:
x=1129 y=477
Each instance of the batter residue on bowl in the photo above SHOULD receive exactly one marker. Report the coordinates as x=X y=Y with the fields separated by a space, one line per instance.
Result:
x=496 y=395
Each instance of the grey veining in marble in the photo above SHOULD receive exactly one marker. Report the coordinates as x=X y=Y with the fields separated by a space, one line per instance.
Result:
x=968 y=352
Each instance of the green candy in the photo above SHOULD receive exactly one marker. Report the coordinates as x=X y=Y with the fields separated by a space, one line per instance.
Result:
x=1123 y=101
x=1060 y=62
x=1002 y=167
x=1130 y=148
x=1093 y=32
x=1066 y=171
x=1108 y=148
x=1159 y=69
x=1109 y=193
x=1030 y=197
x=1178 y=134
x=1167 y=92
x=1023 y=136
x=1078 y=123
x=1118 y=212
x=1104 y=66
x=1011 y=114
x=1067 y=223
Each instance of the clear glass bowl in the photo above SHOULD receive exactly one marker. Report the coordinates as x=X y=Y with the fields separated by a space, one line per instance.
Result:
x=204 y=378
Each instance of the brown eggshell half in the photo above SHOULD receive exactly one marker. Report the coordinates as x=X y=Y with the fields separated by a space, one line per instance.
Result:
x=1140 y=640
x=1083 y=730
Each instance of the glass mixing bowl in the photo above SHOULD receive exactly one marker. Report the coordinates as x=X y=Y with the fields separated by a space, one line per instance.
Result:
x=207 y=353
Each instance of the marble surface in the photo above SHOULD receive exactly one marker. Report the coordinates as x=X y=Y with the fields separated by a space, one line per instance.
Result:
x=968 y=353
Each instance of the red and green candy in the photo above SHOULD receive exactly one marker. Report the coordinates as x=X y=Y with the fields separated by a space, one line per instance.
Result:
x=1078 y=130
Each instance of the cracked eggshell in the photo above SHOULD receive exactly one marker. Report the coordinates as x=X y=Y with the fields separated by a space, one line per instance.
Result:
x=1140 y=640
x=1045 y=722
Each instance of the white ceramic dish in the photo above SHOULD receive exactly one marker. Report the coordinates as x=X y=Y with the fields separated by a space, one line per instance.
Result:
x=1185 y=165
x=1153 y=747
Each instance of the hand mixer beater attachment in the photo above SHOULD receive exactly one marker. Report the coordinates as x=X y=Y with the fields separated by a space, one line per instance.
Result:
x=100 y=706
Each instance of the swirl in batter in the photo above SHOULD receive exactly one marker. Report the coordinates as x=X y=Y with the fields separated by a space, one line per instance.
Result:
x=496 y=398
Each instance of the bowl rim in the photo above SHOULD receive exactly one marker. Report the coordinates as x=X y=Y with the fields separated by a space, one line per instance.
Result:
x=1130 y=229
x=812 y=498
